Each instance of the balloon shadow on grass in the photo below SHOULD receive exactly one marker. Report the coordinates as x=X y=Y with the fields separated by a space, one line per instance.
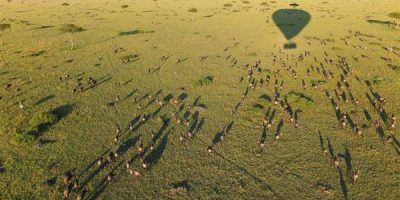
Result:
x=291 y=22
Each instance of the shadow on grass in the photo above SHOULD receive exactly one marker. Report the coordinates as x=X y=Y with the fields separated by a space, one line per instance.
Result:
x=44 y=99
x=126 y=145
x=343 y=185
x=63 y=111
x=153 y=157
x=347 y=159
x=133 y=32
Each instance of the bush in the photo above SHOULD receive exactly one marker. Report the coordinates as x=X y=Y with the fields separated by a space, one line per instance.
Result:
x=208 y=80
x=71 y=28
x=3 y=27
x=43 y=119
x=38 y=123
x=193 y=10
x=395 y=15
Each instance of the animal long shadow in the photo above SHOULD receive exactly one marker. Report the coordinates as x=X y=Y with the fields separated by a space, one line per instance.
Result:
x=86 y=169
x=217 y=138
x=193 y=125
x=271 y=117
x=321 y=140
x=279 y=127
x=367 y=115
x=44 y=99
x=99 y=188
x=130 y=94
x=100 y=81
x=154 y=156
x=380 y=132
x=182 y=96
x=263 y=135
x=347 y=159
x=330 y=148
x=229 y=127
x=100 y=168
x=343 y=185
x=351 y=122
x=126 y=145
x=161 y=130
x=200 y=125
x=265 y=97
x=238 y=105
x=168 y=98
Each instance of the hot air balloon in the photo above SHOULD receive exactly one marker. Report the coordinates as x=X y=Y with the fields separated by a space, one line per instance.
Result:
x=291 y=22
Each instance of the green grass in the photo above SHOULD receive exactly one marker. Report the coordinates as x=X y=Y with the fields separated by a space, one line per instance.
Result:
x=155 y=66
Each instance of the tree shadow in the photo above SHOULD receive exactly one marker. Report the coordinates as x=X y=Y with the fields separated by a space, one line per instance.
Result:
x=63 y=111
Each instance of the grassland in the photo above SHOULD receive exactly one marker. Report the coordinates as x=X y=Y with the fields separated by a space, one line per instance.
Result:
x=73 y=71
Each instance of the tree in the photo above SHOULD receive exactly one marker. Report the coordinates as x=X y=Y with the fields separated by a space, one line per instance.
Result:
x=396 y=16
x=3 y=28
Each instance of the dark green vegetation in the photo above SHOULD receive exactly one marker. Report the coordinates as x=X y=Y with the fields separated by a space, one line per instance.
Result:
x=207 y=80
x=36 y=125
x=71 y=28
x=155 y=102
x=3 y=27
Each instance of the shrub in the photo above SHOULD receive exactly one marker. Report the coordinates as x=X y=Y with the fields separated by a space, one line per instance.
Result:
x=193 y=10
x=395 y=15
x=42 y=119
x=71 y=28
x=3 y=27
x=38 y=123
x=208 y=80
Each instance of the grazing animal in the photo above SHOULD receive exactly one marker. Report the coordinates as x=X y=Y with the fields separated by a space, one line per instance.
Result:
x=76 y=184
x=336 y=162
x=110 y=177
x=209 y=149
x=100 y=161
x=355 y=176
x=68 y=191
x=325 y=151
x=144 y=165
x=21 y=105
x=82 y=195
x=68 y=176
x=134 y=172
